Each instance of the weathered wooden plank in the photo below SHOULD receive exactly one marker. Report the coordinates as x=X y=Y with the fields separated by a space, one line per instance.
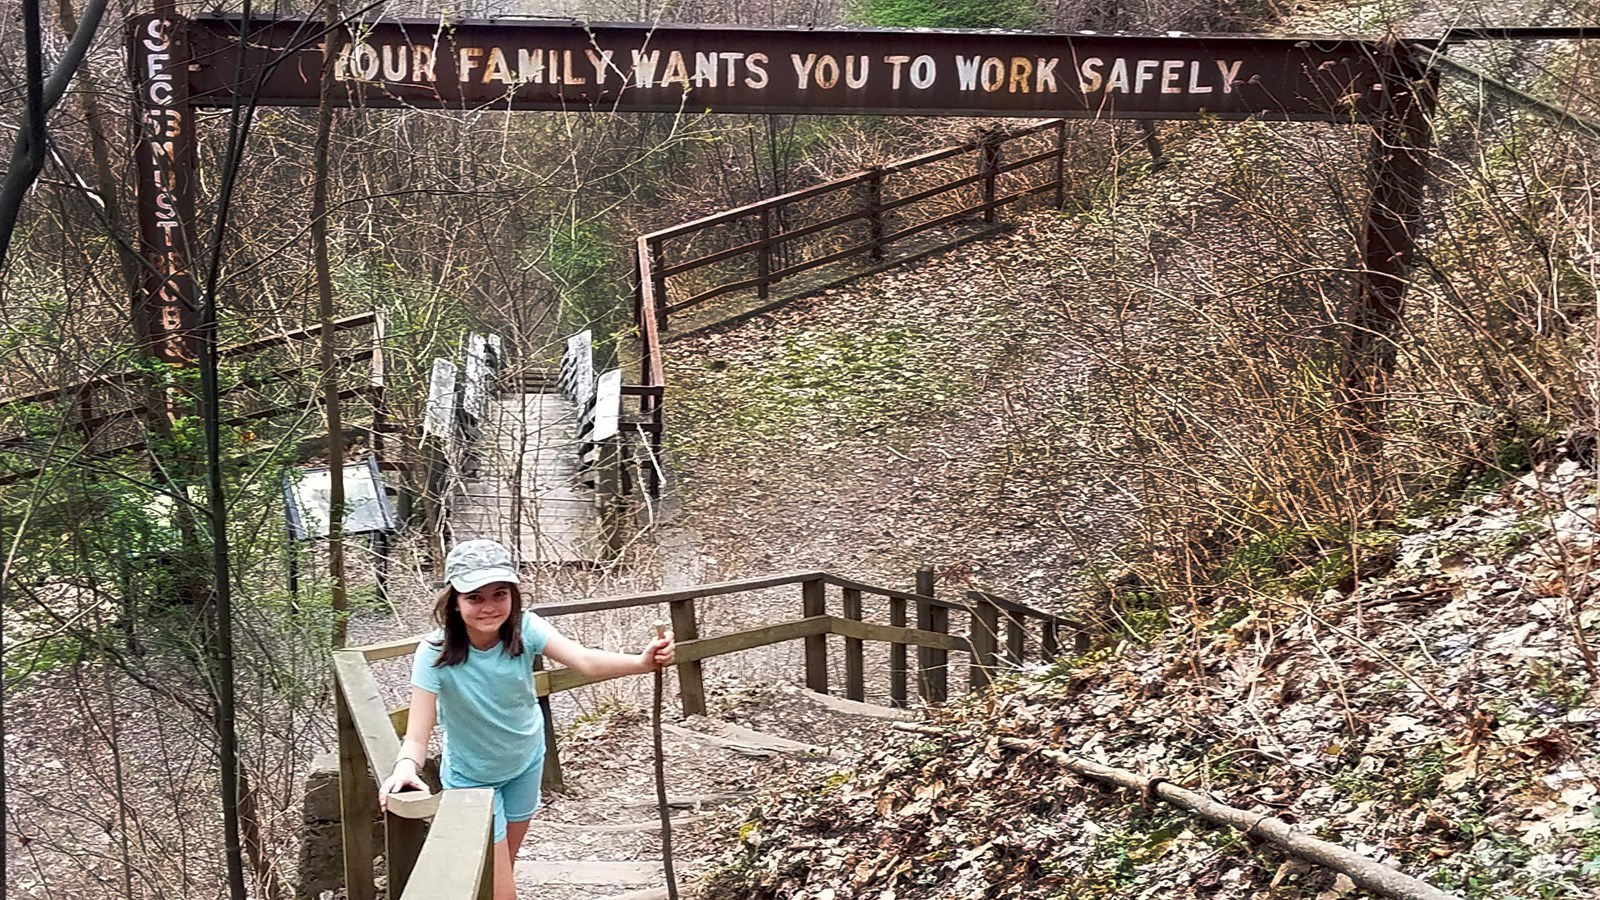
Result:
x=368 y=716
x=558 y=680
x=389 y=649
x=813 y=601
x=403 y=842
x=691 y=680
x=357 y=801
x=868 y=631
x=1015 y=638
x=455 y=862
x=897 y=655
x=932 y=683
x=985 y=638
x=651 y=599
x=855 y=682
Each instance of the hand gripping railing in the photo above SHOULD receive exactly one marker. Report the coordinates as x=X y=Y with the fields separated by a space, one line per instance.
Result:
x=452 y=861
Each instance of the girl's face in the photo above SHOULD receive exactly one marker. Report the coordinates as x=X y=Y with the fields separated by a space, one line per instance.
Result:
x=485 y=609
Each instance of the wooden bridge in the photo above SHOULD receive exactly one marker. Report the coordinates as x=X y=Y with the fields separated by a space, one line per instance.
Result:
x=451 y=858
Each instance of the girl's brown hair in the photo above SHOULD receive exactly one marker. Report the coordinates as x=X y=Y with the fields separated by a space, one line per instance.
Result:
x=456 y=646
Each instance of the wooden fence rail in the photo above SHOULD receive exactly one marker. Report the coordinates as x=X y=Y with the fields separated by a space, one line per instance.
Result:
x=451 y=861
x=853 y=218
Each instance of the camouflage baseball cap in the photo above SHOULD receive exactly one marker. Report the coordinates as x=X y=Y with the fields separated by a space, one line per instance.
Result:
x=473 y=564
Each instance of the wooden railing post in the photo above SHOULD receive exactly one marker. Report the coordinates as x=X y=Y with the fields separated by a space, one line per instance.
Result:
x=691 y=680
x=1049 y=642
x=814 y=603
x=551 y=778
x=875 y=212
x=357 y=803
x=855 y=679
x=402 y=844
x=658 y=280
x=989 y=166
x=985 y=638
x=1061 y=164
x=764 y=254
x=897 y=655
x=1015 y=637
x=932 y=662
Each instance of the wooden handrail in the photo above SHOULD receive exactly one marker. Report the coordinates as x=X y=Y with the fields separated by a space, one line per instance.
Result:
x=462 y=830
x=432 y=866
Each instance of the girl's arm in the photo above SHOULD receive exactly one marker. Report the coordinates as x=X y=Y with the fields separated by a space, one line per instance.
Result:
x=414 y=749
x=604 y=663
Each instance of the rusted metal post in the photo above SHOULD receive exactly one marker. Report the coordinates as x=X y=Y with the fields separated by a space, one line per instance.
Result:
x=989 y=167
x=985 y=638
x=875 y=212
x=658 y=266
x=855 y=680
x=764 y=254
x=357 y=803
x=814 y=603
x=897 y=655
x=932 y=662
x=165 y=321
x=1397 y=177
x=691 y=679
x=1061 y=164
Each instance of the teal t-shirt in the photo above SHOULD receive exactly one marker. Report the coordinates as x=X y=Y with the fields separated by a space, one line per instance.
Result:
x=487 y=705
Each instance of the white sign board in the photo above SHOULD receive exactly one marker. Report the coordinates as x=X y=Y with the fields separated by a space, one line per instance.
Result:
x=577 y=369
x=475 y=390
x=307 y=497
x=440 y=418
x=607 y=406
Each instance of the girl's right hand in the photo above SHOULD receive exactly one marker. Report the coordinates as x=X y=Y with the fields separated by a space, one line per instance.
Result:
x=400 y=782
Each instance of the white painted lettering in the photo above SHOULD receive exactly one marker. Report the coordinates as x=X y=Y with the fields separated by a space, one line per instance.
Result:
x=570 y=70
x=1089 y=77
x=1117 y=78
x=1230 y=73
x=967 y=72
x=1044 y=75
x=496 y=69
x=677 y=71
x=827 y=72
x=394 y=63
x=896 y=64
x=802 y=70
x=470 y=59
x=644 y=67
x=992 y=75
x=923 y=71
x=758 y=78
x=1144 y=70
x=855 y=71
x=705 y=70
x=1021 y=75
x=422 y=61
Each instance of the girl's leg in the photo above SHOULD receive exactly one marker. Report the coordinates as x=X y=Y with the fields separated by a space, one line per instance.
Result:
x=505 y=886
x=515 y=832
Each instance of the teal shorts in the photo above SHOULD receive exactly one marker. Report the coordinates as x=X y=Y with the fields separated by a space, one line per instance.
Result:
x=515 y=799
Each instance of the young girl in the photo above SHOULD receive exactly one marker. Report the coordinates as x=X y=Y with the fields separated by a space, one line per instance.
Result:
x=475 y=672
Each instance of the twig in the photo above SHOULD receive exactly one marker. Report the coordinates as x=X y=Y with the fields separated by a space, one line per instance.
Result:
x=1366 y=873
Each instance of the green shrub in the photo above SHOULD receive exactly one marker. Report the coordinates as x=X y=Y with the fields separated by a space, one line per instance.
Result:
x=947 y=13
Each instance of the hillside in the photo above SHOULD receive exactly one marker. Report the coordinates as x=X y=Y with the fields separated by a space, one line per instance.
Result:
x=1440 y=717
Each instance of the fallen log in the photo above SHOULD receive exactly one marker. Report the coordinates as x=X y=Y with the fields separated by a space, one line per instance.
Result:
x=1366 y=873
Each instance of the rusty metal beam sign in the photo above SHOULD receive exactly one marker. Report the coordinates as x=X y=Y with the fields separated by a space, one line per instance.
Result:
x=561 y=65
x=164 y=312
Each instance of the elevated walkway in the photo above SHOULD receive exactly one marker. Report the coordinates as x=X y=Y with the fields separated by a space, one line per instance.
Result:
x=518 y=481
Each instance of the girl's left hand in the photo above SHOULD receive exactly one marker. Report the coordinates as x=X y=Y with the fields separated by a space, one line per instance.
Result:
x=661 y=653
